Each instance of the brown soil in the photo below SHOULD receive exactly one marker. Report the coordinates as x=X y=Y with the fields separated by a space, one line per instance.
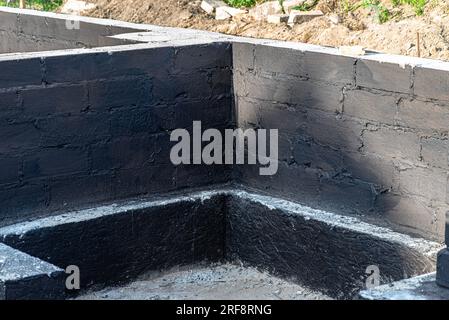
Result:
x=398 y=36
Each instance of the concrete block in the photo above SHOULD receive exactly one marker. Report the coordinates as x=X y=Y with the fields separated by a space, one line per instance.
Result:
x=195 y=85
x=46 y=101
x=297 y=16
x=277 y=18
x=392 y=144
x=103 y=65
x=222 y=14
x=9 y=107
x=426 y=116
x=370 y=168
x=216 y=113
x=200 y=57
x=334 y=131
x=270 y=115
x=315 y=95
x=297 y=183
x=430 y=183
x=412 y=214
x=9 y=21
x=383 y=75
x=370 y=106
x=435 y=152
x=243 y=57
x=20 y=73
x=279 y=60
x=91 y=188
x=346 y=195
x=261 y=11
x=210 y=5
x=24 y=201
x=23 y=277
x=266 y=87
x=431 y=83
x=80 y=130
x=302 y=93
x=54 y=162
x=115 y=93
x=125 y=122
x=313 y=155
x=18 y=137
x=311 y=65
x=226 y=12
x=9 y=172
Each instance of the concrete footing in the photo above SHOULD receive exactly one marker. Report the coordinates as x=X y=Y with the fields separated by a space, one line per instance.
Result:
x=324 y=251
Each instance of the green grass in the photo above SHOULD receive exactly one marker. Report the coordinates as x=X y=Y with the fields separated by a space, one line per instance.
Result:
x=418 y=5
x=381 y=13
x=45 y=5
x=241 y=3
x=306 y=6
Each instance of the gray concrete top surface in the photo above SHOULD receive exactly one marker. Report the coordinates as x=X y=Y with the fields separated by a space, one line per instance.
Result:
x=422 y=287
x=16 y=265
x=152 y=35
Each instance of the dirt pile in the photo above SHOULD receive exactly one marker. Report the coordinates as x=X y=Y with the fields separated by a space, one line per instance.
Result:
x=359 y=27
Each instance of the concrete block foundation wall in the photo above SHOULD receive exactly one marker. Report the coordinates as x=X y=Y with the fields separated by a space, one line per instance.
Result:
x=358 y=135
x=25 y=31
x=365 y=136
x=88 y=127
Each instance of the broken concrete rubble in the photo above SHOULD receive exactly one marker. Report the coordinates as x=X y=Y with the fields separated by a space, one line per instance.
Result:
x=211 y=5
x=297 y=16
x=277 y=18
x=261 y=11
x=222 y=13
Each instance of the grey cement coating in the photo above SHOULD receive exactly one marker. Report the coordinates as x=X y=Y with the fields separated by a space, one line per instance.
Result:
x=15 y=265
x=25 y=277
x=422 y=287
x=214 y=282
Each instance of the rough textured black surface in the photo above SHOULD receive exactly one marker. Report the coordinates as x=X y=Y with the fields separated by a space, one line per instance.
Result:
x=86 y=128
x=224 y=226
x=442 y=276
x=327 y=258
x=118 y=247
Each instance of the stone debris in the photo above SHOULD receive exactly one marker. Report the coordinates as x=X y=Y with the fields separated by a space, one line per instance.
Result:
x=334 y=19
x=210 y=5
x=351 y=50
x=277 y=18
x=76 y=7
x=262 y=11
x=221 y=14
x=297 y=16
x=225 y=12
